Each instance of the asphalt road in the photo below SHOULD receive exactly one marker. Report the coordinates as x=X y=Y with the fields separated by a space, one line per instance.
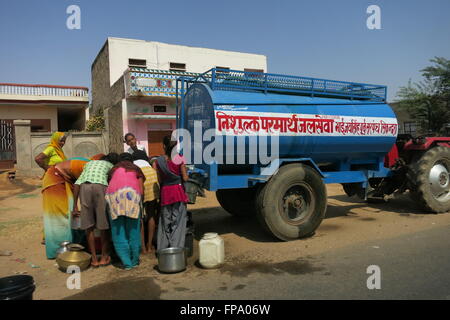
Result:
x=414 y=266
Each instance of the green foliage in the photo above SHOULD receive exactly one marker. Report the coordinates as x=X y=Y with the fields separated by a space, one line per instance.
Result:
x=96 y=122
x=428 y=102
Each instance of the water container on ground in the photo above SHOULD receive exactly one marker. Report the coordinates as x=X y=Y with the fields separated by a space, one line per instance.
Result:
x=212 y=251
x=20 y=287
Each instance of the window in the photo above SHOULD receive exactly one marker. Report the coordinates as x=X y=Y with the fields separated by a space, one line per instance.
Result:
x=177 y=66
x=142 y=63
x=255 y=73
x=159 y=109
x=40 y=125
x=159 y=125
x=223 y=71
x=254 y=70
x=410 y=127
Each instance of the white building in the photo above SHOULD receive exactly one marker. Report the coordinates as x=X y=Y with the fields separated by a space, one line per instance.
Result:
x=48 y=107
x=133 y=82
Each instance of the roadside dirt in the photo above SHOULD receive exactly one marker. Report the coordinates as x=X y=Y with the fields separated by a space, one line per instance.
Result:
x=248 y=249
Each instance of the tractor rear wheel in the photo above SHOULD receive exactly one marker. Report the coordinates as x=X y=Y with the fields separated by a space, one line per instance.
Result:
x=292 y=203
x=432 y=180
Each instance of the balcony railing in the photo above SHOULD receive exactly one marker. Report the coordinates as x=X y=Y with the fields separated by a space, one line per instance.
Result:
x=42 y=90
x=152 y=82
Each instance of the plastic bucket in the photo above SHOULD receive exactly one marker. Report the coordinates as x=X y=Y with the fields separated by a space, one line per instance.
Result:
x=20 y=287
x=191 y=187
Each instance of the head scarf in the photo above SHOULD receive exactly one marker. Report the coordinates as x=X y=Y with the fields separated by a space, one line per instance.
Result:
x=54 y=142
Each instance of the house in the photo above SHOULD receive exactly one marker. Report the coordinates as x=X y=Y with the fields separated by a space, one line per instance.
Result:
x=134 y=85
x=48 y=107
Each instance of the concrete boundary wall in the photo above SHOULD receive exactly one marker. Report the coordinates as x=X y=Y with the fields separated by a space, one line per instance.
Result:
x=30 y=144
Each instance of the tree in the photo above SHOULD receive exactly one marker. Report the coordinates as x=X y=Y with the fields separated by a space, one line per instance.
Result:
x=428 y=101
x=96 y=122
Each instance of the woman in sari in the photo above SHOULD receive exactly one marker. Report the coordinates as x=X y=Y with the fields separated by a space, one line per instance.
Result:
x=53 y=153
x=57 y=194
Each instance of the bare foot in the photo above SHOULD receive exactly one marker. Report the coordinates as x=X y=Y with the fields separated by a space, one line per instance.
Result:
x=105 y=261
x=94 y=263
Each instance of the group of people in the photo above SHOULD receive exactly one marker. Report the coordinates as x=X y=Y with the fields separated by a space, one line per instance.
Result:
x=127 y=197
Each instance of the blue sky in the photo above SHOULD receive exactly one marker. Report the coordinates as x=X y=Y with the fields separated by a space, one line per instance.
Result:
x=321 y=38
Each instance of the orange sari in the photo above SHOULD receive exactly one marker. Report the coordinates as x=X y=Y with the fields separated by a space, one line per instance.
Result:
x=57 y=195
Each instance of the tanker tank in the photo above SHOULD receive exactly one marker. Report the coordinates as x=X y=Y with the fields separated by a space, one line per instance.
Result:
x=331 y=127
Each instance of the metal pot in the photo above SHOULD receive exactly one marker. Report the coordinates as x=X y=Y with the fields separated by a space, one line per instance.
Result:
x=171 y=260
x=78 y=258
x=62 y=247
x=74 y=256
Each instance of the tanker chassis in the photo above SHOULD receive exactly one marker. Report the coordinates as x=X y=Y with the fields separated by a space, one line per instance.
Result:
x=326 y=132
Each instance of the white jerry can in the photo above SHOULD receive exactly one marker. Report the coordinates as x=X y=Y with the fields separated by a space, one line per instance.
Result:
x=212 y=251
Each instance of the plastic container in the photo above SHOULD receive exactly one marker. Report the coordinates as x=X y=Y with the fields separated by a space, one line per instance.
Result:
x=212 y=251
x=20 y=287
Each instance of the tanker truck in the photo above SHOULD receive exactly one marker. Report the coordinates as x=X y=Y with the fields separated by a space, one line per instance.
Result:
x=320 y=131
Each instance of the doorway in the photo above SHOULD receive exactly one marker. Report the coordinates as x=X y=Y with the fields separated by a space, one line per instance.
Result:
x=7 y=144
x=155 y=145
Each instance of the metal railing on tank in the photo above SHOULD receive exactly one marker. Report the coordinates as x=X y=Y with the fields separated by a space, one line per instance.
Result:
x=182 y=86
x=224 y=79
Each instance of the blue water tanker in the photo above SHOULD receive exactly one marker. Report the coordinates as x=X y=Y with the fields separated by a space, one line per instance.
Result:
x=268 y=144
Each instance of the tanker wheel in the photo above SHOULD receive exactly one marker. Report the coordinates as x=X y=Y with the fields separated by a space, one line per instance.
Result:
x=237 y=202
x=293 y=203
x=432 y=180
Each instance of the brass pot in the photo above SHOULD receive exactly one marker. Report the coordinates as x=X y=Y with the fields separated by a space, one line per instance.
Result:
x=75 y=256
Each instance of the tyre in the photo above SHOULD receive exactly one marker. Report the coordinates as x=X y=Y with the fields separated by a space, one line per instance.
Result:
x=293 y=203
x=352 y=189
x=431 y=180
x=237 y=202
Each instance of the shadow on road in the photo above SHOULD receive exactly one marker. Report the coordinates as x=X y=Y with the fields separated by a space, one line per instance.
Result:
x=399 y=203
x=218 y=220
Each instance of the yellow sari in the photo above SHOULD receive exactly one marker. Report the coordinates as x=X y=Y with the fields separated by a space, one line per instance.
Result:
x=57 y=195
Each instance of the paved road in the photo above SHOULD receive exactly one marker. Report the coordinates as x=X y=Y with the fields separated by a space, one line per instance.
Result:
x=414 y=266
